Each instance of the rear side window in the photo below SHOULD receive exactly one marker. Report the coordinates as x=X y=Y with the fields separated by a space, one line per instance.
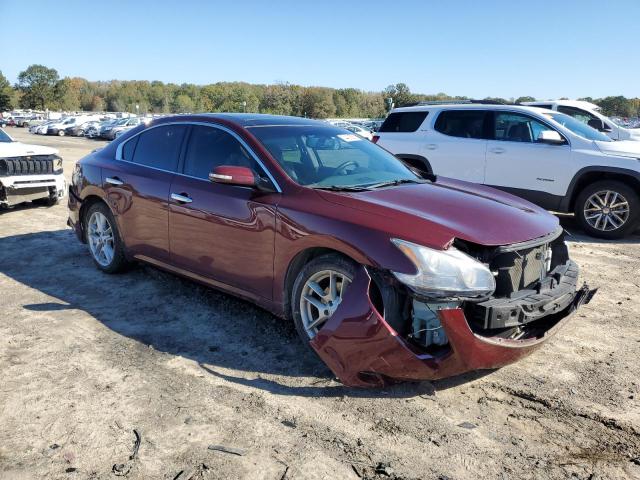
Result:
x=548 y=107
x=403 y=122
x=128 y=148
x=159 y=147
x=461 y=123
x=211 y=147
x=577 y=113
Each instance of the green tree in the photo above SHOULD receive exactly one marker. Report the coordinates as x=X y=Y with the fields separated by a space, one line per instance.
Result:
x=37 y=84
x=525 y=99
x=7 y=96
x=317 y=102
x=400 y=93
x=183 y=104
x=616 y=106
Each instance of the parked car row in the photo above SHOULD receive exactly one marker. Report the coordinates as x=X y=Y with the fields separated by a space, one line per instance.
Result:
x=89 y=126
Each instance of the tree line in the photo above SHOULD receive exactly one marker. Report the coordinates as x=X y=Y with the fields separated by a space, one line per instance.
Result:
x=40 y=87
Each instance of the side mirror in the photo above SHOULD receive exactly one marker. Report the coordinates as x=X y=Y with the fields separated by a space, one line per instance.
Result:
x=550 y=137
x=241 y=176
x=598 y=125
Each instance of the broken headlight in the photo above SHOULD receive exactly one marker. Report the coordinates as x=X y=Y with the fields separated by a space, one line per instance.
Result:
x=445 y=273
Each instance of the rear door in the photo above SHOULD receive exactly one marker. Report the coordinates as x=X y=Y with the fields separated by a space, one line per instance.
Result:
x=137 y=186
x=403 y=134
x=223 y=232
x=518 y=162
x=457 y=145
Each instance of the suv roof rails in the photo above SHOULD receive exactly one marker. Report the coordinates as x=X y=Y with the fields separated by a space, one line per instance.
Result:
x=455 y=102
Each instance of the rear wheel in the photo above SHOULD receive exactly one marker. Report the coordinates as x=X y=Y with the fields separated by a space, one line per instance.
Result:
x=61 y=133
x=103 y=239
x=608 y=209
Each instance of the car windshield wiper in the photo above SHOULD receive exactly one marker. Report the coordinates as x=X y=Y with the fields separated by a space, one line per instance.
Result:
x=393 y=183
x=340 y=188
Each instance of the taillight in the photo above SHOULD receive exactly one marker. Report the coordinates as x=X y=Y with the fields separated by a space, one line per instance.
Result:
x=375 y=138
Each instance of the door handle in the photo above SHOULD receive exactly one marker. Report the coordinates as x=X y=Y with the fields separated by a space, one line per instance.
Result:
x=114 y=181
x=181 y=197
x=431 y=146
x=497 y=150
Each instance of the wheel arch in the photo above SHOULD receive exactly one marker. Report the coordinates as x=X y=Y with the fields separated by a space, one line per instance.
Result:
x=297 y=263
x=589 y=175
x=87 y=203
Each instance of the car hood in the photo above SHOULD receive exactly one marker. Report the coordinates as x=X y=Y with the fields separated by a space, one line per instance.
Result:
x=622 y=148
x=18 y=149
x=433 y=214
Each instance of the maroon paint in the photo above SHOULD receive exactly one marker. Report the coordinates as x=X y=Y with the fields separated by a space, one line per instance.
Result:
x=356 y=340
x=242 y=176
x=242 y=240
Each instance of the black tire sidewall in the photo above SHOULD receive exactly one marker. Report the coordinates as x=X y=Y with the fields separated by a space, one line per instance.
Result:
x=333 y=262
x=626 y=191
x=119 y=261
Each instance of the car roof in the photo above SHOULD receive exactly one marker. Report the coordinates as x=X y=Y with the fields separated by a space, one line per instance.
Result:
x=246 y=120
x=470 y=106
x=567 y=103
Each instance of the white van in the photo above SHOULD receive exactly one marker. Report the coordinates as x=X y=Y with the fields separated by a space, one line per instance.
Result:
x=590 y=114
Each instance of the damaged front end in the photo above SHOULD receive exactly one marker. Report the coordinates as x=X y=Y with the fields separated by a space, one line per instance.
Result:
x=430 y=336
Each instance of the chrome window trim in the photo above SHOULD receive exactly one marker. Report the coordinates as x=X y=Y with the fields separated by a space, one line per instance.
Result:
x=204 y=124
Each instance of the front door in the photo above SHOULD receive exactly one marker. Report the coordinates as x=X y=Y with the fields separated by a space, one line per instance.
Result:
x=223 y=232
x=137 y=188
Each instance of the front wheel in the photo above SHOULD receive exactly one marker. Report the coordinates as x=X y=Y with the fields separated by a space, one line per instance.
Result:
x=608 y=209
x=103 y=239
x=61 y=133
x=317 y=292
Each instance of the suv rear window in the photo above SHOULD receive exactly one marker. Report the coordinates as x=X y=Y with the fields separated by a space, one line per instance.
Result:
x=461 y=123
x=403 y=122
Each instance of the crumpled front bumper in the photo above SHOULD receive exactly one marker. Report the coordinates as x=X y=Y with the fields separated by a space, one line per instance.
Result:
x=363 y=350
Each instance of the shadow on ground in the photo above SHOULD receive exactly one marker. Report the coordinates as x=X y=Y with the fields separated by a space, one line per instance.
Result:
x=229 y=338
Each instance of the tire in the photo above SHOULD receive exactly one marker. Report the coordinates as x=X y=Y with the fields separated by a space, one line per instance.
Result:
x=324 y=263
x=61 y=133
x=49 y=201
x=626 y=211
x=107 y=263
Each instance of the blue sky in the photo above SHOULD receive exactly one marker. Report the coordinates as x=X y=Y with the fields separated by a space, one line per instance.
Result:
x=480 y=48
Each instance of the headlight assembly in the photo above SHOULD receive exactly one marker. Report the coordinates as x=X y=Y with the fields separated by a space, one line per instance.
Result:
x=445 y=273
x=57 y=164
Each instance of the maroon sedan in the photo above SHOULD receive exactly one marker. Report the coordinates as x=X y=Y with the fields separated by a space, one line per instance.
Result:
x=388 y=273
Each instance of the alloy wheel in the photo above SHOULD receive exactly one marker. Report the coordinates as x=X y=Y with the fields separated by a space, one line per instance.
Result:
x=321 y=295
x=606 y=210
x=101 y=240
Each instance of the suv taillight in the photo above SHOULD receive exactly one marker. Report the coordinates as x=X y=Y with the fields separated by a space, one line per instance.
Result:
x=375 y=138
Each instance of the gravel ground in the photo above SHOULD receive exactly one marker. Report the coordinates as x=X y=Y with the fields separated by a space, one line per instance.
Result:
x=89 y=360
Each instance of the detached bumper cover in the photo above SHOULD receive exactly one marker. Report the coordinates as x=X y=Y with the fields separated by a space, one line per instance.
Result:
x=362 y=349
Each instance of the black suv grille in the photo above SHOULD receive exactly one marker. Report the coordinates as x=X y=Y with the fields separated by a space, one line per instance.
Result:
x=34 y=165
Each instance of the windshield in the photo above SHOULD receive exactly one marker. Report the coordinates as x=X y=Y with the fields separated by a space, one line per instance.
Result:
x=319 y=157
x=4 y=138
x=577 y=127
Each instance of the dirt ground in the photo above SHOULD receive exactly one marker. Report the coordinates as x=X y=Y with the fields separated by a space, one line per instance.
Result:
x=87 y=360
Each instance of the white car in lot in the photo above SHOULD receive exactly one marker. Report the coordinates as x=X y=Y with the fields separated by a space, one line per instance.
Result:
x=544 y=156
x=590 y=114
x=29 y=172
x=362 y=132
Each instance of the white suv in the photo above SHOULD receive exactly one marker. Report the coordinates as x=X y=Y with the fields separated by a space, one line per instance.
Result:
x=29 y=173
x=590 y=114
x=544 y=156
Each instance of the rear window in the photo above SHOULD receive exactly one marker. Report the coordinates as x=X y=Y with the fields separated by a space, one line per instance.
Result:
x=461 y=123
x=403 y=122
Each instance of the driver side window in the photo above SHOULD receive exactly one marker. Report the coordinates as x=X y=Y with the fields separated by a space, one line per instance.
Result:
x=577 y=113
x=514 y=127
x=211 y=147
